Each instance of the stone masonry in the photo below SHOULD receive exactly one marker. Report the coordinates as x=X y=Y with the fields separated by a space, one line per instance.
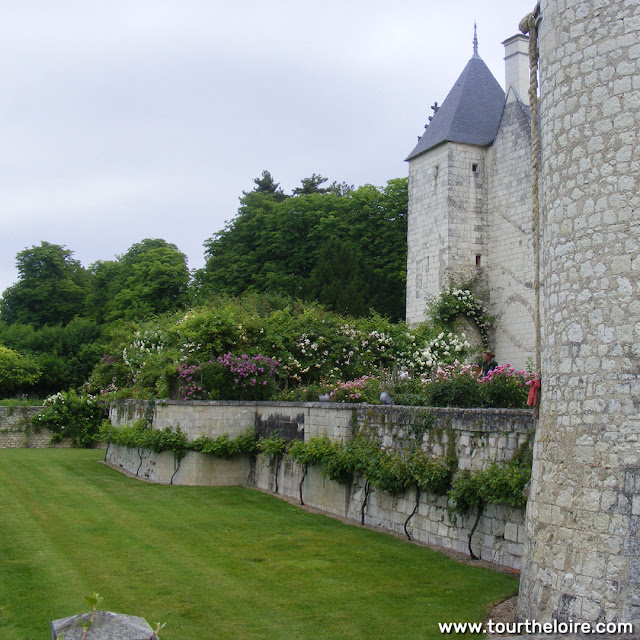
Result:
x=447 y=222
x=509 y=237
x=582 y=555
x=16 y=430
x=481 y=436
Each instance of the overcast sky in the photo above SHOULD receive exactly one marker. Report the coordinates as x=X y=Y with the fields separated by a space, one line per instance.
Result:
x=129 y=119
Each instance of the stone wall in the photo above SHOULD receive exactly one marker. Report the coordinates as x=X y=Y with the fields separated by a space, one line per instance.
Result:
x=446 y=223
x=582 y=556
x=16 y=429
x=480 y=436
x=427 y=230
x=510 y=238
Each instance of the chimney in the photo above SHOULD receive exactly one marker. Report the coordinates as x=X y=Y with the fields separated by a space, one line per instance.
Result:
x=516 y=66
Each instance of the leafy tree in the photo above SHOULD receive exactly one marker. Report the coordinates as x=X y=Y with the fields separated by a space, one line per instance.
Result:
x=17 y=372
x=378 y=228
x=275 y=247
x=151 y=278
x=104 y=282
x=341 y=279
x=340 y=188
x=51 y=288
x=64 y=355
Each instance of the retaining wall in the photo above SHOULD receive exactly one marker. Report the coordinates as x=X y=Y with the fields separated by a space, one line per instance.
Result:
x=481 y=436
x=16 y=430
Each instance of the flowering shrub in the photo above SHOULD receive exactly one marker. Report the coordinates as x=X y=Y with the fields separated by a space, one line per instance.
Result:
x=317 y=353
x=190 y=381
x=253 y=376
x=365 y=389
x=72 y=415
x=505 y=387
x=459 y=301
x=443 y=349
x=462 y=385
x=454 y=385
x=136 y=354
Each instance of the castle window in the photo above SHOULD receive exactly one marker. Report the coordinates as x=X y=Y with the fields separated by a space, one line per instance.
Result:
x=474 y=168
x=478 y=260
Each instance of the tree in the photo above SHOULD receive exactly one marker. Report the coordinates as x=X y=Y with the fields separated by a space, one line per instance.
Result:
x=276 y=246
x=152 y=278
x=104 y=282
x=341 y=280
x=311 y=185
x=51 y=288
x=65 y=355
x=266 y=184
x=340 y=188
x=17 y=372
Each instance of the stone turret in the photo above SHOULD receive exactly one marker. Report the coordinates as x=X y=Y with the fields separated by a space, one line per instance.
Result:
x=469 y=202
x=582 y=557
x=447 y=187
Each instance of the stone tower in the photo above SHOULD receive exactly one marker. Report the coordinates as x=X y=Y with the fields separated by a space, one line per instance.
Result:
x=582 y=556
x=469 y=200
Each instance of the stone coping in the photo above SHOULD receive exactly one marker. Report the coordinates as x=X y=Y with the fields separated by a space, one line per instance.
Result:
x=333 y=405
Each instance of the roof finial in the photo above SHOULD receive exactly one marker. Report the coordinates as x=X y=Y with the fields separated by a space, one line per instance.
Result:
x=475 y=41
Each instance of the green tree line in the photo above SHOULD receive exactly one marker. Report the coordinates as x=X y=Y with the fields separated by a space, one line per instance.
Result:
x=342 y=247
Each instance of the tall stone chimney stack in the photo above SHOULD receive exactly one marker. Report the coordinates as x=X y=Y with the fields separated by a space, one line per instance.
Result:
x=516 y=66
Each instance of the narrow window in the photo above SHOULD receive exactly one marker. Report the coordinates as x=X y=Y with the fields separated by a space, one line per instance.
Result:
x=478 y=260
x=474 y=168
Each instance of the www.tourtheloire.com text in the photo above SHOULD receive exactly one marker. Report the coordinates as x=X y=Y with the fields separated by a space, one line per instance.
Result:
x=532 y=626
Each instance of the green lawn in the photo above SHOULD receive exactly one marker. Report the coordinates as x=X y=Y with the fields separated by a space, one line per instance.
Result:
x=213 y=563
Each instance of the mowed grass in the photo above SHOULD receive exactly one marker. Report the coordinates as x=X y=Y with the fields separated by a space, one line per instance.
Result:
x=211 y=562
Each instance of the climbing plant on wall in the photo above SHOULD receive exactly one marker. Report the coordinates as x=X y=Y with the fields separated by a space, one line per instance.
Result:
x=459 y=300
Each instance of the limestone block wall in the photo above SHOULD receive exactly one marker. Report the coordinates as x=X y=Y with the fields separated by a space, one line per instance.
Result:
x=582 y=555
x=195 y=469
x=447 y=221
x=215 y=418
x=16 y=429
x=510 y=238
x=499 y=537
x=480 y=437
x=467 y=215
x=427 y=230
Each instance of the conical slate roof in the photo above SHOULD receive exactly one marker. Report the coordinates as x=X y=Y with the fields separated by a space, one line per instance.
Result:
x=470 y=113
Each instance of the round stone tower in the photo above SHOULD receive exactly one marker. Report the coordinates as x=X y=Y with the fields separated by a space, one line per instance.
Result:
x=582 y=558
